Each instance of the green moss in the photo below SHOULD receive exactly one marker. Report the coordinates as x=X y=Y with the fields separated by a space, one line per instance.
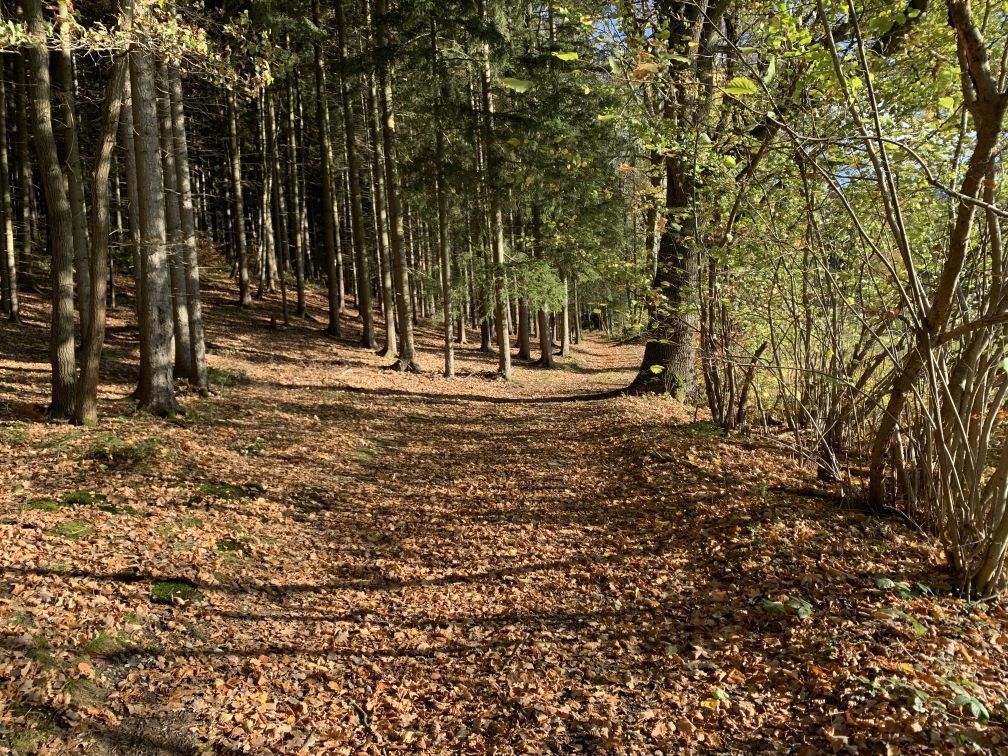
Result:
x=15 y=434
x=172 y=591
x=100 y=645
x=113 y=450
x=83 y=498
x=40 y=726
x=225 y=379
x=60 y=440
x=44 y=505
x=222 y=490
x=230 y=545
x=72 y=529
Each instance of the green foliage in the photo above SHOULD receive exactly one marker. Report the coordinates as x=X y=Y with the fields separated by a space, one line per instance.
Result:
x=796 y=604
x=173 y=591
x=44 y=505
x=225 y=379
x=72 y=529
x=117 y=452
x=219 y=490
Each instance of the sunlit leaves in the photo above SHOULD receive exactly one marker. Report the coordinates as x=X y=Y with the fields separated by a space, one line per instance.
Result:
x=517 y=85
x=740 y=86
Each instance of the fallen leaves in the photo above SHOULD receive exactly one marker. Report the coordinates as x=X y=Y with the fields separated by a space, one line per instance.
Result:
x=375 y=561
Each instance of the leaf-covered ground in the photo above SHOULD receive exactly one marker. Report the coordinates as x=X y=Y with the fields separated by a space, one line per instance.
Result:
x=327 y=557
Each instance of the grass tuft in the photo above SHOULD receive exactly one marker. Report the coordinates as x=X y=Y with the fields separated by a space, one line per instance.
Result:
x=113 y=450
x=173 y=591
x=72 y=529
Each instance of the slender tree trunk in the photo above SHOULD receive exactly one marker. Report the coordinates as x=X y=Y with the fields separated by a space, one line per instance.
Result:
x=279 y=203
x=524 y=327
x=565 y=328
x=407 y=351
x=391 y=348
x=328 y=202
x=496 y=217
x=132 y=193
x=173 y=224
x=238 y=204
x=356 y=211
x=577 y=314
x=9 y=267
x=297 y=232
x=86 y=409
x=120 y=229
x=59 y=217
x=157 y=390
x=72 y=172
x=545 y=328
x=442 y=202
x=188 y=250
x=25 y=188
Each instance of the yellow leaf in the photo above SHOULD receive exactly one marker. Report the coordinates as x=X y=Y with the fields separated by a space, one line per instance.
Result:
x=643 y=70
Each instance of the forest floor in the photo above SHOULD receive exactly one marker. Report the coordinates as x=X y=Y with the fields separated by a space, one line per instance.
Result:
x=327 y=557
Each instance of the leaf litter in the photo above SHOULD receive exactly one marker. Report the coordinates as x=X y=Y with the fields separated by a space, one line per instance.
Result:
x=327 y=557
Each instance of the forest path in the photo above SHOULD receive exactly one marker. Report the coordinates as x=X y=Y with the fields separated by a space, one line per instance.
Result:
x=398 y=562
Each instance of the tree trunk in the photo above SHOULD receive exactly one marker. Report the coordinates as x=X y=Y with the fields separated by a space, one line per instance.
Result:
x=59 y=217
x=86 y=409
x=72 y=172
x=296 y=231
x=133 y=197
x=669 y=363
x=328 y=203
x=356 y=211
x=279 y=203
x=238 y=204
x=25 y=188
x=496 y=217
x=157 y=390
x=173 y=225
x=565 y=320
x=407 y=350
x=391 y=348
x=442 y=203
x=577 y=314
x=9 y=262
x=187 y=247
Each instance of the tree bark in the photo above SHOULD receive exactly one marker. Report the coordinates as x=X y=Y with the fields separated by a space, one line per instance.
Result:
x=669 y=363
x=356 y=211
x=9 y=267
x=442 y=203
x=25 y=188
x=86 y=407
x=496 y=217
x=407 y=351
x=59 y=216
x=238 y=204
x=72 y=171
x=328 y=203
x=188 y=250
x=391 y=348
x=279 y=204
x=157 y=390
x=173 y=225
x=296 y=231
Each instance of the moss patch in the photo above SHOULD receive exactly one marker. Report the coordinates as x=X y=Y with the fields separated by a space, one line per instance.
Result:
x=113 y=450
x=173 y=591
x=72 y=529
x=44 y=505
x=83 y=498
